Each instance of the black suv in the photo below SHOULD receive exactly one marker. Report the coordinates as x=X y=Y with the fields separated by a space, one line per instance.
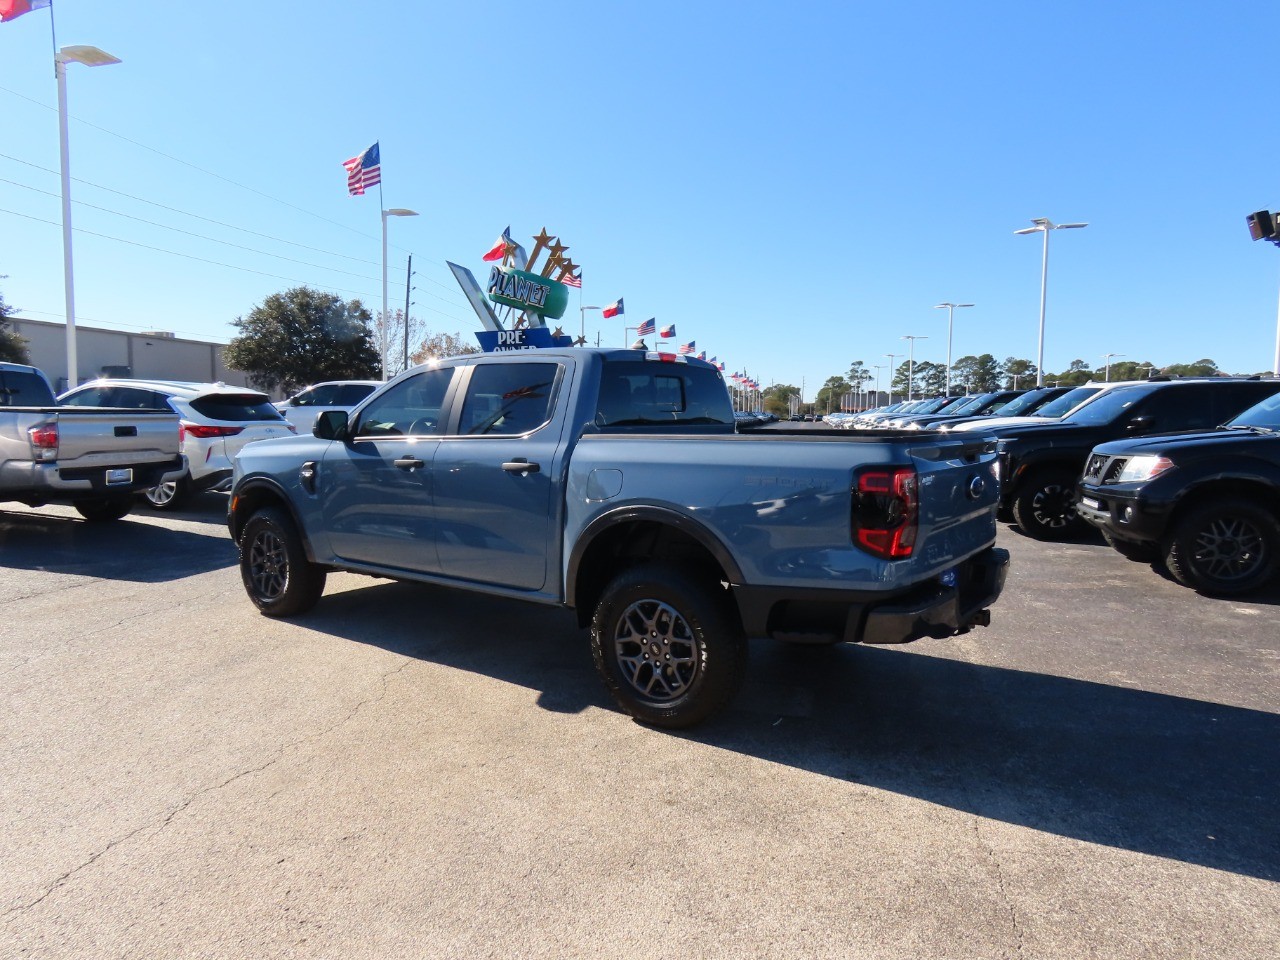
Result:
x=1040 y=464
x=1207 y=503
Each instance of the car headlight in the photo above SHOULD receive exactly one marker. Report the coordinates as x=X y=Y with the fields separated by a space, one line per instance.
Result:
x=1144 y=467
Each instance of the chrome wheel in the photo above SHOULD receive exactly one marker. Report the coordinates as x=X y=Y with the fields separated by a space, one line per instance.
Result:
x=268 y=565
x=163 y=495
x=656 y=650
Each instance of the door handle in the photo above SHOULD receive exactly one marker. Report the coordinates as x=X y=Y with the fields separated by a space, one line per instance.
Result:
x=521 y=465
x=409 y=463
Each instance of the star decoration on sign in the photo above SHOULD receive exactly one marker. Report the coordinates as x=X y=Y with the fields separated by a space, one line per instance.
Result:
x=558 y=333
x=581 y=341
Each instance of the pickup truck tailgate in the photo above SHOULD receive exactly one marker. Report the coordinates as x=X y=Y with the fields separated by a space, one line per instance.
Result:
x=958 y=494
x=107 y=436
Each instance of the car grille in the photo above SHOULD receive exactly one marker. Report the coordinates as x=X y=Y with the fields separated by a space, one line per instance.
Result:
x=1103 y=469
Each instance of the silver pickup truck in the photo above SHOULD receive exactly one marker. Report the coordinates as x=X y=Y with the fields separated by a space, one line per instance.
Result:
x=614 y=483
x=93 y=459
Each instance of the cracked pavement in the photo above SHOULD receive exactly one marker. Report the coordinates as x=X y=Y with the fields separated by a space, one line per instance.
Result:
x=413 y=772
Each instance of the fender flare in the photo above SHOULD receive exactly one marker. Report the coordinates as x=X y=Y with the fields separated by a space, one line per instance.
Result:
x=235 y=521
x=647 y=513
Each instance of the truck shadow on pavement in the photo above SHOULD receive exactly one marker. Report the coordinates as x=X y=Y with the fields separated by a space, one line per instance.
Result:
x=1145 y=772
x=120 y=550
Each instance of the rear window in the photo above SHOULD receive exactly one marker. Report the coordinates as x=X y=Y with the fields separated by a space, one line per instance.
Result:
x=236 y=407
x=645 y=393
x=19 y=388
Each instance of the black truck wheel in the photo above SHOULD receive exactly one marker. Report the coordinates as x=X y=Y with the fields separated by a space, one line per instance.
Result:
x=1044 y=506
x=1225 y=548
x=108 y=508
x=277 y=575
x=169 y=496
x=667 y=645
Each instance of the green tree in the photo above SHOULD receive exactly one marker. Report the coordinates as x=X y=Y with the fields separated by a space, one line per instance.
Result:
x=1018 y=373
x=13 y=348
x=438 y=345
x=831 y=394
x=859 y=375
x=303 y=336
x=1201 y=368
x=777 y=399
x=975 y=374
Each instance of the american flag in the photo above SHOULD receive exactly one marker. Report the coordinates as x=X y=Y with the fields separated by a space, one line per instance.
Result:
x=569 y=280
x=363 y=171
x=647 y=328
x=687 y=348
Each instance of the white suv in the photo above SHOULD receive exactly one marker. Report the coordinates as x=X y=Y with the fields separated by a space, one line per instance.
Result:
x=302 y=408
x=215 y=422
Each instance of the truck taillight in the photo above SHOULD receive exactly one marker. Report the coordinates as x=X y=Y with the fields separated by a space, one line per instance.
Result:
x=44 y=442
x=886 y=510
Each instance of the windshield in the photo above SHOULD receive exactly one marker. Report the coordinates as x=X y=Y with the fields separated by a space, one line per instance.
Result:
x=1020 y=405
x=1068 y=402
x=972 y=403
x=1110 y=405
x=1265 y=414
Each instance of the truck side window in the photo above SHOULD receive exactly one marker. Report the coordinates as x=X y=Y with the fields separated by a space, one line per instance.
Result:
x=508 y=398
x=409 y=409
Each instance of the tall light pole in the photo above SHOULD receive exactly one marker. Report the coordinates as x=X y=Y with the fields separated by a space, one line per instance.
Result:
x=1044 y=225
x=386 y=320
x=951 y=312
x=582 y=317
x=891 y=357
x=1107 y=357
x=911 y=362
x=90 y=57
x=878 y=368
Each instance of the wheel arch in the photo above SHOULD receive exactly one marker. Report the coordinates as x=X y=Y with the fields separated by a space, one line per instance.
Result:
x=630 y=535
x=1197 y=495
x=252 y=495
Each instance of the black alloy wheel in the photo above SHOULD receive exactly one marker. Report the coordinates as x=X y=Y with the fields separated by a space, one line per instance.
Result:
x=1045 y=508
x=667 y=645
x=274 y=568
x=1226 y=548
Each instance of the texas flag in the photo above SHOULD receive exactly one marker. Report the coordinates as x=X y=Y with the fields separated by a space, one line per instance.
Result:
x=12 y=9
x=614 y=309
x=646 y=329
x=499 y=248
x=668 y=331
x=688 y=348
x=702 y=355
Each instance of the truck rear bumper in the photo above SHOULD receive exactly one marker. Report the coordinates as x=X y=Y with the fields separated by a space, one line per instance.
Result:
x=930 y=609
x=36 y=484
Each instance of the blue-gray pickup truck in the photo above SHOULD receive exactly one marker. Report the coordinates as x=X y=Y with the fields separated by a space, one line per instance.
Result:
x=615 y=483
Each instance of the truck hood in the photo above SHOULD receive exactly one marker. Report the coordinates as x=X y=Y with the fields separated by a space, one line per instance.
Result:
x=1199 y=442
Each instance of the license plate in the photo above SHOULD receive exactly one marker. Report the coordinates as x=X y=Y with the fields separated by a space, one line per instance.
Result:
x=1089 y=502
x=120 y=475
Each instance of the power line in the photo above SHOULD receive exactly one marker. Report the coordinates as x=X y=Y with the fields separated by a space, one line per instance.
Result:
x=230 y=226
x=216 y=263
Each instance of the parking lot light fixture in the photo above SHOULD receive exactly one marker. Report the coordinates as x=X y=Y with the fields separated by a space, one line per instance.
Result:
x=1044 y=225
x=1107 y=358
x=90 y=57
x=951 y=312
x=911 y=361
x=891 y=357
x=386 y=322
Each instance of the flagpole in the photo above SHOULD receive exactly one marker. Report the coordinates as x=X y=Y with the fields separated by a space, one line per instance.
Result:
x=53 y=34
x=382 y=210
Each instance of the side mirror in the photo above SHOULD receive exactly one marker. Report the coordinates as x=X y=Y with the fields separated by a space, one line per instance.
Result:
x=330 y=425
x=1141 y=424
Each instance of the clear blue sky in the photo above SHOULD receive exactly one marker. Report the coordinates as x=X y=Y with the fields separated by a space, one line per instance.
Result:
x=793 y=185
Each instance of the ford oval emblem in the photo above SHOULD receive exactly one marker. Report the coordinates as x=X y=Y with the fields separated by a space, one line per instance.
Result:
x=976 y=486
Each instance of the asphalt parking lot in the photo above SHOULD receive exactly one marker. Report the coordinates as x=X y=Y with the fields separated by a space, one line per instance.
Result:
x=413 y=772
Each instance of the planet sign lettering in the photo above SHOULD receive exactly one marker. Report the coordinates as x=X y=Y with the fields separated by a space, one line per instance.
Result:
x=528 y=291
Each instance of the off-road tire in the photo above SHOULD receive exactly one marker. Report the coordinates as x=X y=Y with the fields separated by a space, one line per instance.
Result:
x=274 y=568
x=1044 y=506
x=1225 y=548
x=667 y=645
